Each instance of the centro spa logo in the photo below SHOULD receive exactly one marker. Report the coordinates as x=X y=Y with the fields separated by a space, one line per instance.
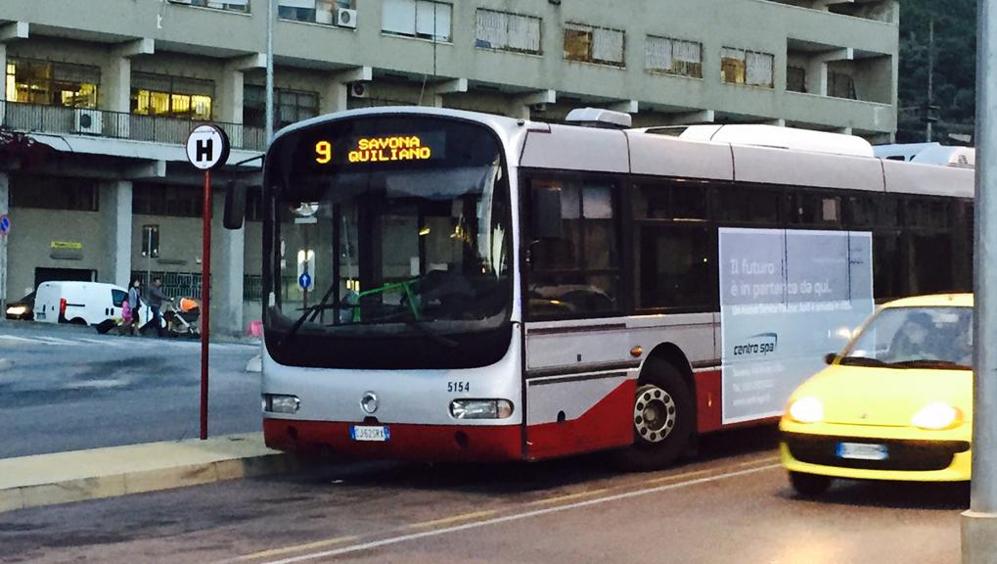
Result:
x=761 y=344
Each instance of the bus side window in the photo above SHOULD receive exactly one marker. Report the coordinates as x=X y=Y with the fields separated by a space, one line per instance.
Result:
x=577 y=273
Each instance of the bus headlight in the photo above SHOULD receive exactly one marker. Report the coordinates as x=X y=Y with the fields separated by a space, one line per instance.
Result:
x=480 y=409
x=278 y=403
x=937 y=415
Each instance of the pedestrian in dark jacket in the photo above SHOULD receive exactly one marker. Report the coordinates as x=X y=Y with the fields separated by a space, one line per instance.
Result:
x=156 y=298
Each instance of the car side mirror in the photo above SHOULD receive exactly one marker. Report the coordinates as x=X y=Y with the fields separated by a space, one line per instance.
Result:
x=546 y=218
x=829 y=358
x=235 y=206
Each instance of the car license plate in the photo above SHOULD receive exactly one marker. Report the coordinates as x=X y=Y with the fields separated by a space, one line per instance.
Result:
x=39 y=315
x=369 y=433
x=862 y=451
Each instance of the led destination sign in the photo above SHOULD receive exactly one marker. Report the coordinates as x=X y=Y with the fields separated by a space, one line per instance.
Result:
x=384 y=149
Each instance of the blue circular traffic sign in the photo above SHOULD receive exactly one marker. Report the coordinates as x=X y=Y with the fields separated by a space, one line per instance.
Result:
x=4 y=224
x=305 y=280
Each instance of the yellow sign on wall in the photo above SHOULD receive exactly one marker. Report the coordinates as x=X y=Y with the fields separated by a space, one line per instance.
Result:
x=73 y=245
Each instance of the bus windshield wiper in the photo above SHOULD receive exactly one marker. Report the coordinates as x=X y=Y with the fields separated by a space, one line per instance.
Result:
x=309 y=310
x=418 y=325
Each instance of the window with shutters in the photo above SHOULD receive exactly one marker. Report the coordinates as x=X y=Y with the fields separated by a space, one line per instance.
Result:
x=590 y=44
x=507 y=31
x=752 y=68
x=230 y=5
x=673 y=56
x=417 y=18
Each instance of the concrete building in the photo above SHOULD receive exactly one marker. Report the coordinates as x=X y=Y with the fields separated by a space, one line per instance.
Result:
x=105 y=92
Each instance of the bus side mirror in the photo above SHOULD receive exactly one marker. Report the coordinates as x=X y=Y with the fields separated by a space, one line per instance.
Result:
x=235 y=205
x=546 y=220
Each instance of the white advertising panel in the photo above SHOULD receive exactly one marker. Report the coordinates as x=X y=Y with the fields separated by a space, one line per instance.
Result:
x=787 y=298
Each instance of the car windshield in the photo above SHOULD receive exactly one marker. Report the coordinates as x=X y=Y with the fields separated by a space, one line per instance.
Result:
x=915 y=337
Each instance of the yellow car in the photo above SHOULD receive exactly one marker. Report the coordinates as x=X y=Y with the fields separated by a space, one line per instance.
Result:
x=896 y=404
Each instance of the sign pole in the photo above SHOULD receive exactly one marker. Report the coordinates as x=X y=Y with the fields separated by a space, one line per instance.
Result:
x=207 y=148
x=979 y=524
x=205 y=300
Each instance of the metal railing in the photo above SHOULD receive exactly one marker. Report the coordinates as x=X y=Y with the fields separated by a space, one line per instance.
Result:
x=118 y=125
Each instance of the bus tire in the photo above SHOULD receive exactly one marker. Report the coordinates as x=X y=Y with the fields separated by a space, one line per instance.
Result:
x=663 y=418
x=809 y=485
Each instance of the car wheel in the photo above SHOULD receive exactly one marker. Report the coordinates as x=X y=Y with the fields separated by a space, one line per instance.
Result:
x=78 y=321
x=663 y=418
x=809 y=485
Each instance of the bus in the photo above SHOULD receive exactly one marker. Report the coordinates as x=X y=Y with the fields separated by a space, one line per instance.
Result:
x=456 y=286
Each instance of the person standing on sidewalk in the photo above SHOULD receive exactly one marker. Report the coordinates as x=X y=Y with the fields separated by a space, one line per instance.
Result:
x=134 y=303
x=156 y=299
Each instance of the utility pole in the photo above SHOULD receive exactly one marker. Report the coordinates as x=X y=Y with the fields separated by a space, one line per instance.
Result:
x=929 y=116
x=269 y=96
x=979 y=524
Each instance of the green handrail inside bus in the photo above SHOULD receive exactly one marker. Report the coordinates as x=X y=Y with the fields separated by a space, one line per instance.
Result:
x=406 y=288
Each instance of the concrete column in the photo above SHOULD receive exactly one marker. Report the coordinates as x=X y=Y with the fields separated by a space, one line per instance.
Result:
x=116 y=209
x=116 y=85
x=4 y=208
x=335 y=97
x=228 y=247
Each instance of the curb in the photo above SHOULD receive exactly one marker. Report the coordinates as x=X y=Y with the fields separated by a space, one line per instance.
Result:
x=100 y=486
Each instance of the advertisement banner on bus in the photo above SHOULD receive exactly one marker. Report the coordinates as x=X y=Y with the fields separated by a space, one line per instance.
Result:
x=787 y=298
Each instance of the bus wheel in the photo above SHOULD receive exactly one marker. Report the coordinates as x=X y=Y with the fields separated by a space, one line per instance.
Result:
x=809 y=485
x=663 y=419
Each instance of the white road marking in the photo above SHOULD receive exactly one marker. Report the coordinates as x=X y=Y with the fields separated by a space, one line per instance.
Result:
x=519 y=516
x=58 y=341
x=20 y=339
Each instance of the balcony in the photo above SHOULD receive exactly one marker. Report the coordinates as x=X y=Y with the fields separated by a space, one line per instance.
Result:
x=118 y=125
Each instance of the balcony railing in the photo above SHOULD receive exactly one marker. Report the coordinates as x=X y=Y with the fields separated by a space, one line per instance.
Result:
x=118 y=125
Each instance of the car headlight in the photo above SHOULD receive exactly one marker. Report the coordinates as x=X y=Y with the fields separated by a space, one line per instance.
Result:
x=807 y=410
x=936 y=416
x=16 y=310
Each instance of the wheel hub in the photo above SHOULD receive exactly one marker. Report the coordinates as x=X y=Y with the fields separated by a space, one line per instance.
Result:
x=655 y=413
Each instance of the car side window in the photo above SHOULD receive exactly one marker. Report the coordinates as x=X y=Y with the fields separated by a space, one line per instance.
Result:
x=118 y=297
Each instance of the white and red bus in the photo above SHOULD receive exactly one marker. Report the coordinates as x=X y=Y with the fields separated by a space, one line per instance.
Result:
x=448 y=285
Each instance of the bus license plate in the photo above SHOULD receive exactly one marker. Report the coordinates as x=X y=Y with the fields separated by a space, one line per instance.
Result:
x=369 y=433
x=862 y=451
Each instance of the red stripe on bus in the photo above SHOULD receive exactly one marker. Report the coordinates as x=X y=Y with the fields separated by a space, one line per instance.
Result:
x=407 y=441
x=607 y=424
x=709 y=416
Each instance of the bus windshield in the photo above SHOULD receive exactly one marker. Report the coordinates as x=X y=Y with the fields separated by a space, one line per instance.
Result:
x=386 y=228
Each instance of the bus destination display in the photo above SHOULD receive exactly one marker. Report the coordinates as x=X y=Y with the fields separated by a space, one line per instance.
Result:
x=380 y=149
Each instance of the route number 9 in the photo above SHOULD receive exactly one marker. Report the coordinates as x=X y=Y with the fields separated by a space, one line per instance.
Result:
x=323 y=152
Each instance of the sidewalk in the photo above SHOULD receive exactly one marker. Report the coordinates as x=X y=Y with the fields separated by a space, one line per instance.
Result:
x=49 y=479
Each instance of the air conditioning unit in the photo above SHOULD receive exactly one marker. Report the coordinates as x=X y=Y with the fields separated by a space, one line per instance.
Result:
x=90 y=122
x=346 y=18
x=358 y=89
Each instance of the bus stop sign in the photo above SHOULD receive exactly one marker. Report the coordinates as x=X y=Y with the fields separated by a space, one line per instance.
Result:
x=207 y=147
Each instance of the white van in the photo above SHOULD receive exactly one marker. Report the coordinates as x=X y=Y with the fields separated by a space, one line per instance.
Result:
x=82 y=303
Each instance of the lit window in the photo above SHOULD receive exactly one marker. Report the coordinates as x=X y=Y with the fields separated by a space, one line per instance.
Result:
x=417 y=18
x=509 y=32
x=593 y=44
x=166 y=96
x=674 y=56
x=738 y=66
x=52 y=84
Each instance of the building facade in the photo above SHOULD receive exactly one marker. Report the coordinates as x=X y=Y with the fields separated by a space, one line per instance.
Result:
x=99 y=96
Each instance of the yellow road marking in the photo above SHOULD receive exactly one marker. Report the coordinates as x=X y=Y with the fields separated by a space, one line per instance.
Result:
x=566 y=497
x=295 y=548
x=452 y=519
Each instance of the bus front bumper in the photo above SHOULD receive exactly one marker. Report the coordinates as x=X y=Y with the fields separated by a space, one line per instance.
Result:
x=404 y=442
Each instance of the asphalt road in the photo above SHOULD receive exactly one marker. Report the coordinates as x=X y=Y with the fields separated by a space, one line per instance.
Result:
x=732 y=504
x=69 y=388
